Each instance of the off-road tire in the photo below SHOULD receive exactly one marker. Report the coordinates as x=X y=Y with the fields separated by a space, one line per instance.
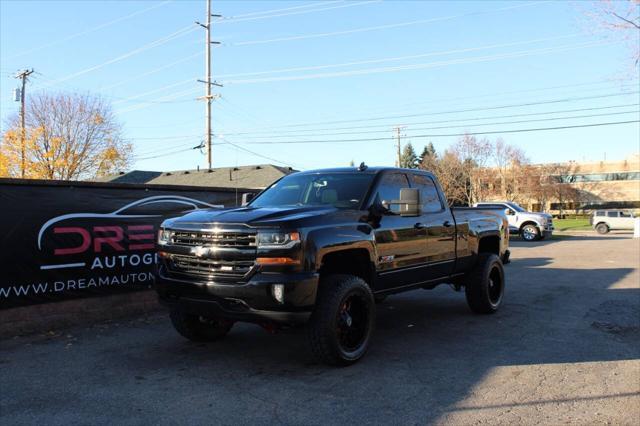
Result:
x=483 y=297
x=199 y=329
x=602 y=228
x=327 y=324
x=530 y=233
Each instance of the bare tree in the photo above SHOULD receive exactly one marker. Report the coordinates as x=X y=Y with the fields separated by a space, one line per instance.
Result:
x=450 y=172
x=617 y=19
x=510 y=162
x=473 y=154
x=69 y=137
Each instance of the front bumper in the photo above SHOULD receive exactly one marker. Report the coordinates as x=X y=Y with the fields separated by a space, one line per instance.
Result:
x=252 y=301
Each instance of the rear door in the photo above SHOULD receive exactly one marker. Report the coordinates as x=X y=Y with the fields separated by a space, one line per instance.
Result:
x=626 y=220
x=401 y=244
x=441 y=230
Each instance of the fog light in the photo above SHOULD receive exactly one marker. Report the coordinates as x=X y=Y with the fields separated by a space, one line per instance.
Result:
x=278 y=292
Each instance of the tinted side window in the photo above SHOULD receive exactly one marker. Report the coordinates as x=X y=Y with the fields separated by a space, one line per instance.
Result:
x=612 y=214
x=390 y=186
x=428 y=193
x=625 y=214
x=599 y=213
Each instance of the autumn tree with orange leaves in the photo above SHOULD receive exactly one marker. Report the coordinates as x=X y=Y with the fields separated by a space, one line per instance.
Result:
x=67 y=137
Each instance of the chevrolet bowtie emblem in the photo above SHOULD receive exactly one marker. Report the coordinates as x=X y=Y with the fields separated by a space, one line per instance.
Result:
x=200 y=251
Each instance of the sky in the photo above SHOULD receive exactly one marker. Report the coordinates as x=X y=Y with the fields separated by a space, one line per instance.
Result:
x=320 y=84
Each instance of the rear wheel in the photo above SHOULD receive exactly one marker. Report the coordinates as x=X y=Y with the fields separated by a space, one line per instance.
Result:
x=484 y=285
x=199 y=329
x=530 y=233
x=602 y=228
x=343 y=320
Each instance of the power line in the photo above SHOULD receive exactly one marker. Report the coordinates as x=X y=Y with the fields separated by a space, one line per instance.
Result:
x=181 y=32
x=451 y=134
x=360 y=132
x=381 y=70
x=163 y=99
x=265 y=12
x=254 y=153
x=277 y=15
x=398 y=58
x=160 y=89
x=386 y=126
x=456 y=111
x=153 y=71
x=168 y=153
x=381 y=27
x=90 y=30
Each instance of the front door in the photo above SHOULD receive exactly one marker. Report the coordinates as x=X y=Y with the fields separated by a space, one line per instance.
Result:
x=401 y=244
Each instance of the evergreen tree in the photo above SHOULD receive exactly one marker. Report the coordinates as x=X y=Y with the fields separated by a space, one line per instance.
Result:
x=429 y=152
x=408 y=159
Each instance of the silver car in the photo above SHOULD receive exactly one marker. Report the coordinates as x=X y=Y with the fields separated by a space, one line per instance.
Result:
x=531 y=226
x=604 y=221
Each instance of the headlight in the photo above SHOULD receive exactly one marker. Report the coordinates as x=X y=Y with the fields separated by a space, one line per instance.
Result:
x=269 y=239
x=164 y=236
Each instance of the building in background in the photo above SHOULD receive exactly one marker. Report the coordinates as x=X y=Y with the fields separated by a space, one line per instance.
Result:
x=566 y=187
x=251 y=177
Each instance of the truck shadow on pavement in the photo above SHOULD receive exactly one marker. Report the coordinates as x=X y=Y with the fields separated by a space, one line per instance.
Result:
x=428 y=353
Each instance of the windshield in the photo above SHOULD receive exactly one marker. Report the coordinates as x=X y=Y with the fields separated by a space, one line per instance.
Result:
x=516 y=207
x=341 y=190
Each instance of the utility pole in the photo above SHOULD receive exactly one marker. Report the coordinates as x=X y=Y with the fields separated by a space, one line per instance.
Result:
x=397 y=130
x=208 y=97
x=23 y=133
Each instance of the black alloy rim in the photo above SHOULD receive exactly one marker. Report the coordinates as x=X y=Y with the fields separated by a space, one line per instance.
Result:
x=353 y=322
x=495 y=286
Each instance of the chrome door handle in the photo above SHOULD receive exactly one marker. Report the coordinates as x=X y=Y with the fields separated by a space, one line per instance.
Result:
x=419 y=225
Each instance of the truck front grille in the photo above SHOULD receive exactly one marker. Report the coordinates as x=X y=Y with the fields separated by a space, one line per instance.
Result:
x=233 y=256
x=214 y=239
x=209 y=268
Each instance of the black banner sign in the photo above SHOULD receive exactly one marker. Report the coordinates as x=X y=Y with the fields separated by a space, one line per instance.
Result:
x=59 y=241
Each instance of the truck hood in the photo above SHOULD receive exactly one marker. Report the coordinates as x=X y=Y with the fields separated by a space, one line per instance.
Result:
x=285 y=216
x=538 y=217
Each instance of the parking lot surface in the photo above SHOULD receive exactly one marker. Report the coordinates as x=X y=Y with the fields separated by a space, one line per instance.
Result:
x=564 y=349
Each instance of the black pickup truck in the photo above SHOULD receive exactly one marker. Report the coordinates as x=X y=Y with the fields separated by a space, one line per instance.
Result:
x=323 y=247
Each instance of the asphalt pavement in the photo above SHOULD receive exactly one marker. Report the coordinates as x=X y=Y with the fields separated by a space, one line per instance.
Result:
x=564 y=349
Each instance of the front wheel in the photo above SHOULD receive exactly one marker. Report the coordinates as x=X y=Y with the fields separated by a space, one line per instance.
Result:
x=530 y=233
x=343 y=320
x=199 y=329
x=484 y=286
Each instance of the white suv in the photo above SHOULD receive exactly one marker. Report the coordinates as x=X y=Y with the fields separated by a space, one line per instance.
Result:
x=529 y=225
x=604 y=221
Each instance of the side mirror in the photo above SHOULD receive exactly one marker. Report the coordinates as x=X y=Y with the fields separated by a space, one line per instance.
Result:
x=508 y=212
x=247 y=197
x=409 y=202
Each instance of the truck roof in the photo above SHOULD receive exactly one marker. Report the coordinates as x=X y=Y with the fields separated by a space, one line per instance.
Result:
x=371 y=170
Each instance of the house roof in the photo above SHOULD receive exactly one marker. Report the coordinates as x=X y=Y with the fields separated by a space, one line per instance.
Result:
x=254 y=177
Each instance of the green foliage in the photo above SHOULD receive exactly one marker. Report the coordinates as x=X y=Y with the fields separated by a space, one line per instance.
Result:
x=428 y=153
x=409 y=159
